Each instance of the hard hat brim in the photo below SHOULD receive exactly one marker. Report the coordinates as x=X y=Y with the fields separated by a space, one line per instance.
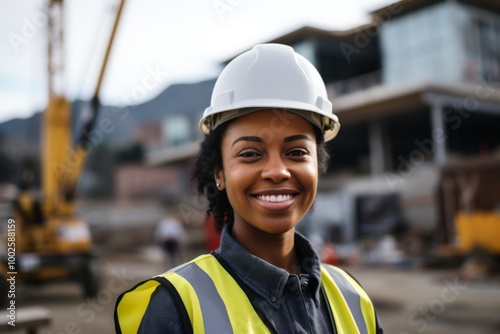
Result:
x=327 y=123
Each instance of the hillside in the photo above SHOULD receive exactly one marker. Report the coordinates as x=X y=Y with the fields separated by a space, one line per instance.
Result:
x=179 y=98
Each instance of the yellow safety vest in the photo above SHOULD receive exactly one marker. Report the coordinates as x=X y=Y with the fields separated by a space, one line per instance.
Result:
x=215 y=303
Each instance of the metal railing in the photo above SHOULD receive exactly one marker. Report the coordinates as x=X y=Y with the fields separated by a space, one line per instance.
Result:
x=354 y=84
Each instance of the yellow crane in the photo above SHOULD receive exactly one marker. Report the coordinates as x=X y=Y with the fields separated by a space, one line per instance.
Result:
x=51 y=241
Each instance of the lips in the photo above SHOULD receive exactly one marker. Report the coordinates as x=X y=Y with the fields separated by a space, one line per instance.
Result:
x=275 y=198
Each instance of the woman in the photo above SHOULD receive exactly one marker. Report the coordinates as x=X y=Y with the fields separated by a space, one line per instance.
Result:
x=258 y=166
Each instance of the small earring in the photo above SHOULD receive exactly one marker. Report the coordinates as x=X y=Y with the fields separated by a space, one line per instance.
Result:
x=218 y=185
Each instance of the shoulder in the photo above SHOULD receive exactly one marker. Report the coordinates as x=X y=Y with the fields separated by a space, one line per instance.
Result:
x=148 y=307
x=162 y=314
x=344 y=280
x=155 y=304
x=350 y=287
x=339 y=274
x=152 y=306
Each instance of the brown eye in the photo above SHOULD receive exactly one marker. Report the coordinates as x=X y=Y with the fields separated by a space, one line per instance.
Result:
x=297 y=153
x=249 y=154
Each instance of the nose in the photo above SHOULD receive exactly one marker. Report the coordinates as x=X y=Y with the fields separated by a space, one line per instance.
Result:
x=275 y=169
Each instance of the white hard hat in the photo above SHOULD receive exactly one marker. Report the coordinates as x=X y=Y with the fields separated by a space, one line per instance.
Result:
x=270 y=76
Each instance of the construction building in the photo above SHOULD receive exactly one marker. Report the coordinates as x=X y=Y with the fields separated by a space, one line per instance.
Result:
x=416 y=89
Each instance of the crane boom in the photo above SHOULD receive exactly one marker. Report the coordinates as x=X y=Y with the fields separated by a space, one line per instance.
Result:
x=62 y=164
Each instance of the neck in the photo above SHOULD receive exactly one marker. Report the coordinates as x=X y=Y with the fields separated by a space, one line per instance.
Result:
x=276 y=249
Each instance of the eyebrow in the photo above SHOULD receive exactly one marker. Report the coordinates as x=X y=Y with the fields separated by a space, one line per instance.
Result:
x=248 y=138
x=260 y=140
x=296 y=137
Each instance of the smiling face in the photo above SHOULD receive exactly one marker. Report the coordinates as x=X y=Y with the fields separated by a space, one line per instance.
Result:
x=270 y=177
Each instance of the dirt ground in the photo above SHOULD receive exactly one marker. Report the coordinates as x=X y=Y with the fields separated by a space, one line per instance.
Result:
x=433 y=302
x=414 y=301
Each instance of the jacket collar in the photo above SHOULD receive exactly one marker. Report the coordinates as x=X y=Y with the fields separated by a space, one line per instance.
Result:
x=265 y=279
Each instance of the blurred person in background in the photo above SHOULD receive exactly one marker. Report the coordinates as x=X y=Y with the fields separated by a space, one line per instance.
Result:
x=328 y=253
x=258 y=166
x=212 y=237
x=168 y=235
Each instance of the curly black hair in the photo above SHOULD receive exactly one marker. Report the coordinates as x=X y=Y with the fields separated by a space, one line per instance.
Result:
x=209 y=157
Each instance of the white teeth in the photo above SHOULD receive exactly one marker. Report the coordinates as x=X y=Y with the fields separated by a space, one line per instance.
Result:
x=274 y=198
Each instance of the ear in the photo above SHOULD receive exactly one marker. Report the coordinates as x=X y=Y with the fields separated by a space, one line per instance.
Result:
x=219 y=178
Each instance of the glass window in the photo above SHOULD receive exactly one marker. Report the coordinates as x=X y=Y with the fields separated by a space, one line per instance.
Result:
x=446 y=41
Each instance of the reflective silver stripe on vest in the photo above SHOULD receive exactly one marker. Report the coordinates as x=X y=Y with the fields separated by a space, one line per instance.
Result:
x=213 y=309
x=351 y=297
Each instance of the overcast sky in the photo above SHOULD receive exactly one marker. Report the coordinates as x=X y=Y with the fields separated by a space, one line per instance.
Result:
x=159 y=42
